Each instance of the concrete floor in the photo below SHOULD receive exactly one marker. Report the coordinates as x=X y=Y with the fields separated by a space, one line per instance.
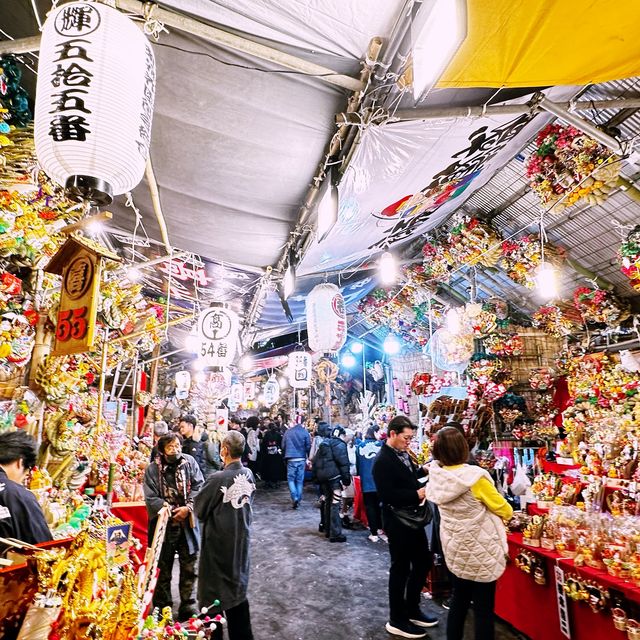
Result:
x=304 y=588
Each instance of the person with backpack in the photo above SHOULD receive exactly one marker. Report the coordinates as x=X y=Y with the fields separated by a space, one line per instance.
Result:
x=331 y=469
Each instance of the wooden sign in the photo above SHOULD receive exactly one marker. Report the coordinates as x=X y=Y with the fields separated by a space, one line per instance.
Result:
x=79 y=261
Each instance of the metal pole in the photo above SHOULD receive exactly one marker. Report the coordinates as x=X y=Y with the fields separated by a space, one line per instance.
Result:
x=474 y=111
x=562 y=112
x=364 y=371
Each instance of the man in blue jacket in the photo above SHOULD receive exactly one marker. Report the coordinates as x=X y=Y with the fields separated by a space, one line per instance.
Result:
x=296 y=446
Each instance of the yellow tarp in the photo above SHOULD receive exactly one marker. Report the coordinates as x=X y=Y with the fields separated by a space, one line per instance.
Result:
x=531 y=43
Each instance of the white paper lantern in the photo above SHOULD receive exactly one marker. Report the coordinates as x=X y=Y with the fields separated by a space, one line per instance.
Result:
x=237 y=393
x=271 y=391
x=183 y=384
x=249 y=391
x=326 y=319
x=218 y=335
x=299 y=369
x=94 y=100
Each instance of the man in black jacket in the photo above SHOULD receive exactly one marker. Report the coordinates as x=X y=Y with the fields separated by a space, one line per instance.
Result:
x=396 y=479
x=21 y=516
x=331 y=468
x=191 y=441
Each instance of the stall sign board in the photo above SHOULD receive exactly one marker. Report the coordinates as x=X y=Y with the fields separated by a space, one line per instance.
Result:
x=76 y=323
x=118 y=543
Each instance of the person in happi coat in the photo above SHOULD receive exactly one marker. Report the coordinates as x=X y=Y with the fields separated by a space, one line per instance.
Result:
x=273 y=469
x=224 y=508
x=172 y=481
x=21 y=516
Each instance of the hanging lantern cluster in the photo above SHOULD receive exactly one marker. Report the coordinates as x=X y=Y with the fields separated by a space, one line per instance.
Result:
x=326 y=319
x=94 y=101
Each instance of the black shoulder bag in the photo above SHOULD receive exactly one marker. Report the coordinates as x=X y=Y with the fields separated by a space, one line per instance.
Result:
x=415 y=517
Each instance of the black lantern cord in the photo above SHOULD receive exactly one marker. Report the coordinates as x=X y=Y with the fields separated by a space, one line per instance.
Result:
x=242 y=66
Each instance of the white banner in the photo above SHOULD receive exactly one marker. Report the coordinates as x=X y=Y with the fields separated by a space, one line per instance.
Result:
x=408 y=177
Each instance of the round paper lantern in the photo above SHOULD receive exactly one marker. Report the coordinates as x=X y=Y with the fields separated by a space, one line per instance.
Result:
x=218 y=335
x=326 y=319
x=299 y=369
x=271 y=391
x=94 y=101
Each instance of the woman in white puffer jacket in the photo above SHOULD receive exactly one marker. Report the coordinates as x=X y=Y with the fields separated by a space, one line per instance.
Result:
x=474 y=540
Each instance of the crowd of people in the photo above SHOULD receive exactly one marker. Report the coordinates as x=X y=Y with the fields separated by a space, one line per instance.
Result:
x=206 y=486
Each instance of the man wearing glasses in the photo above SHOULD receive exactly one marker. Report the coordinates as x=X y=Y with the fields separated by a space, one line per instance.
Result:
x=21 y=516
x=172 y=481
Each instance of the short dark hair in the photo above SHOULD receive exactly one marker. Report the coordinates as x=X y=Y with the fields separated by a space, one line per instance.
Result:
x=252 y=422
x=235 y=443
x=190 y=419
x=168 y=439
x=450 y=447
x=400 y=424
x=18 y=445
x=371 y=433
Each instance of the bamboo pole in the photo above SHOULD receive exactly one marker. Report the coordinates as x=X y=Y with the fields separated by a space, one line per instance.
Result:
x=137 y=334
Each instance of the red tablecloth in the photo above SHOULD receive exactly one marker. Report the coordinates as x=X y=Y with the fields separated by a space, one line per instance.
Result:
x=359 y=512
x=136 y=513
x=554 y=467
x=532 y=608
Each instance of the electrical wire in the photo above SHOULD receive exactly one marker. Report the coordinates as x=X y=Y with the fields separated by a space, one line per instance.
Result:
x=247 y=67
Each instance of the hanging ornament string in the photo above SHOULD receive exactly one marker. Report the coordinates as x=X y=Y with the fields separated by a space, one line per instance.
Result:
x=152 y=26
x=465 y=264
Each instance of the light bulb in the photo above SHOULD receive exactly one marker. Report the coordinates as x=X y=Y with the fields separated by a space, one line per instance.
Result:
x=453 y=321
x=246 y=363
x=388 y=268
x=348 y=360
x=283 y=382
x=133 y=274
x=192 y=341
x=356 y=347
x=94 y=227
x=288 y=282
x=391 y=345
x=198 y=365
x=547 y=281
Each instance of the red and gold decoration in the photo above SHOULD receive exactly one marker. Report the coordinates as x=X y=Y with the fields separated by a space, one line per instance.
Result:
x=600 y=306
x=521 y=258
x=629 y=257
x=568 y=167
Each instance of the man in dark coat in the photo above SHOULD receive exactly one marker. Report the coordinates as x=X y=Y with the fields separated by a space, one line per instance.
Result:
x=172 y=481
x=332 y=470
x=191 y=441
x=224 y=507
x=396 y=479
x=21 y=516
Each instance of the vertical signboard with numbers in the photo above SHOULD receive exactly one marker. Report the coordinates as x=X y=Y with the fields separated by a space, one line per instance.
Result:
x=218 y=335
x=79 y=262
x=76 y=321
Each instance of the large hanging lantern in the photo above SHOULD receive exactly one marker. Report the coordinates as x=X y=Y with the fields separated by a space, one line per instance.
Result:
x=218 y=335
x=299 y=369
x=237 y=393
x=326 y=319
x=271 y=391
x=94 y=101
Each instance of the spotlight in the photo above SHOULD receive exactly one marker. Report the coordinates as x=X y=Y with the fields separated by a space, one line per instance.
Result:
x=348 y=360
x=356 y=347
x=388 y=269
x=547 y=281
x=391 y=345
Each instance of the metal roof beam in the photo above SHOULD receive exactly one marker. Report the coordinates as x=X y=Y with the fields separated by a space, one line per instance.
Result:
x=430 y=113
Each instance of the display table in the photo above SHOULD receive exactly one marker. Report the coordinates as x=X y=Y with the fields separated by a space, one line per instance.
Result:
x=532 y=609
x=136 y=513
x=359 y=512
x=18 y=587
